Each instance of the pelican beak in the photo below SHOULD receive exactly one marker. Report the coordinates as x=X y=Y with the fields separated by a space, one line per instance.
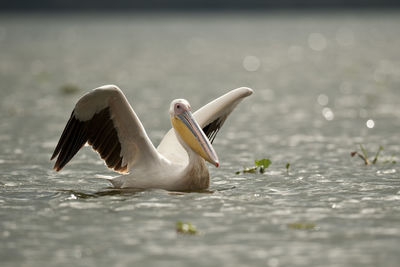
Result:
x=192 y=134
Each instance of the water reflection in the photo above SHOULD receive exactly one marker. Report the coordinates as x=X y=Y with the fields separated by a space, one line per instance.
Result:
x=74 y=194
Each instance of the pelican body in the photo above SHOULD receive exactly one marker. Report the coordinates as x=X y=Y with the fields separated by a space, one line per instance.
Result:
x=104 y=119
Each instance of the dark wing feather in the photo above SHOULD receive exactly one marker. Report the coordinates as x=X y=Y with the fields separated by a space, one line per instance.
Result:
x=99 y=132
x=213 y=127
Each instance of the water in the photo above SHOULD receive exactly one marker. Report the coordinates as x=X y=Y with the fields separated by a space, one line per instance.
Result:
x=324 y=83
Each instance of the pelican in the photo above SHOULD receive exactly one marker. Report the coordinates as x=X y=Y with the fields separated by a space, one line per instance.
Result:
x=104 y=119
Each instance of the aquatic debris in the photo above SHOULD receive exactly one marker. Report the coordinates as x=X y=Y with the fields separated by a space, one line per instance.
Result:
x=185 y=228
x=364 y=156
x=302 y=226
x=260 y=165
x=247 y=170
x=68 y=89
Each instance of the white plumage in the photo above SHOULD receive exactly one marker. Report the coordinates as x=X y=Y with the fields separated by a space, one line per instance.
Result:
x=104 y=119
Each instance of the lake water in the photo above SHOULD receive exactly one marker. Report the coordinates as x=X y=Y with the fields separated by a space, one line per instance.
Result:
x=324 y=84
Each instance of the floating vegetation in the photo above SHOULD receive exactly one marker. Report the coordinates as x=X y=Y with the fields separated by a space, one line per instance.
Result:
x=302 y=226
x=68 y=89
x=364 y=156
x=247 y=170
x=287 y=167
x=391 y=160
x=260 y=165
x=185 y=228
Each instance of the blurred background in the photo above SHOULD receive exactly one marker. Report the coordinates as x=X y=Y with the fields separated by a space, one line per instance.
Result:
x=326 y=76
x=191 y=5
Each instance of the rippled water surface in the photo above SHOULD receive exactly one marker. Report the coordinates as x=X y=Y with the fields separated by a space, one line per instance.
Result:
x=324 y=83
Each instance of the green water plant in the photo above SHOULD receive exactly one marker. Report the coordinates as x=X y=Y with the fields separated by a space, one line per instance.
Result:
x=260 y=166
x=364 y=155
x=287 y=167
x=377 y=155
x=185 y=228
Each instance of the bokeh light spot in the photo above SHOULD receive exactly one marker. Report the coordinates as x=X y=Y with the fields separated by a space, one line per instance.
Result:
x=328 y=114
x=370 y=123
x=317 y=41
x=251 y=63
x=323 y=100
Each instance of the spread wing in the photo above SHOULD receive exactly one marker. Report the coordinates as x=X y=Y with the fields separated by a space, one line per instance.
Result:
x=210 y=117
x=104 y=119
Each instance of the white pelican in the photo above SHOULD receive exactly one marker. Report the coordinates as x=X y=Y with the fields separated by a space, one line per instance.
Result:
x=104 y=119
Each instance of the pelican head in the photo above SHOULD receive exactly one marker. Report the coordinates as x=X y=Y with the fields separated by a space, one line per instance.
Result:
x=190 y=132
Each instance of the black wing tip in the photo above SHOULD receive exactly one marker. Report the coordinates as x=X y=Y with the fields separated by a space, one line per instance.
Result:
x=54 y=155
x=57 y=167
x=99 y=132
